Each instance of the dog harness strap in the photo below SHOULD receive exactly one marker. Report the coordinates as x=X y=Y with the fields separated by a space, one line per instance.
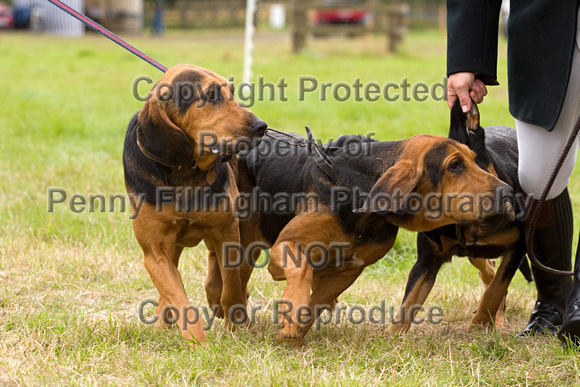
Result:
x=320 y=157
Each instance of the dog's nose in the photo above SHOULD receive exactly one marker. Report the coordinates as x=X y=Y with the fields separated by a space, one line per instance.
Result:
x=259 y=127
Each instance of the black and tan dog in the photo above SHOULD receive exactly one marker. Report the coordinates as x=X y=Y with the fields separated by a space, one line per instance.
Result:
x=497 y=152
x=353 y=209
x=173 y=157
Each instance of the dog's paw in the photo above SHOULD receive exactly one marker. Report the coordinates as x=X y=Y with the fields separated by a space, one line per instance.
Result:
x=397 y=329
x=289 y=331
x=196 y=339
x=294 y=342
x=292 y=334
x=499 y=320
x=160 y=324
x=481 y=321
x=219 y=311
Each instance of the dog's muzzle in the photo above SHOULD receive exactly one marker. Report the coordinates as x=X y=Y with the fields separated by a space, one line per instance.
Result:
x=503 y=209
x=244 y=145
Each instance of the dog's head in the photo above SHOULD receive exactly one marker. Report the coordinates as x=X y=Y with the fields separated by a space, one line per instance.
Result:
x=466 y=129
x=435 y=182
x=191 y=115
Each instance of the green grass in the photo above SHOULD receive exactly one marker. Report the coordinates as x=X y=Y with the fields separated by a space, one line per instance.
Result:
x=71 y=283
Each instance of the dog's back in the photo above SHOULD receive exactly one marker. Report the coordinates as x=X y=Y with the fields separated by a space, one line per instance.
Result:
x=277 y=169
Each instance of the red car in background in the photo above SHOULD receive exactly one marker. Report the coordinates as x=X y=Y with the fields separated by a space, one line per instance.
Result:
x=340 y=16
x=340 y=12
x=6 y=17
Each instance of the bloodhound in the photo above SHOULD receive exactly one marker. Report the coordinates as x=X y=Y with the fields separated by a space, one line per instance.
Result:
x=175 y=158
x=347 y=201
x=496 y=151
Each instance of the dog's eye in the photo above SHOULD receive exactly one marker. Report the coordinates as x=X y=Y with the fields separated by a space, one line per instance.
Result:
x=456 y=166
x=210 y=95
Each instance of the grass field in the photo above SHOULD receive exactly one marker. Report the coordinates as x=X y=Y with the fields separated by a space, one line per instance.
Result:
x=71 y=282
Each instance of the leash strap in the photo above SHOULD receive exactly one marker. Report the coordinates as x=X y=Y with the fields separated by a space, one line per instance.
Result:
x=108 y=34
x=536 y=213
x=299 y=141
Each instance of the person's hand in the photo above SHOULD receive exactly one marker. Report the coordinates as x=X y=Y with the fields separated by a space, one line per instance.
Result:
x=465 y=87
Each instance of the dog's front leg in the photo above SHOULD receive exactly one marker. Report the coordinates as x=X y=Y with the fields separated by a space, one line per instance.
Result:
x=486 y=269
x=497 y=289
x=157 y=236
x=232 y=298
x=250 y=236
x=297 y=292
x=214 y=284
x=162 y=303
x=172 y=296
x=419 y=284
x=326 y=291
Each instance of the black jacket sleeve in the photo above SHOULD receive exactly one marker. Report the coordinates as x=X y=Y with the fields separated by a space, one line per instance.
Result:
x=472 y=33
x=541 y=41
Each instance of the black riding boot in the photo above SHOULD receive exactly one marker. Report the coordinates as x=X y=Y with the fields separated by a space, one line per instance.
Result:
x=571 y=324
x=553 y=248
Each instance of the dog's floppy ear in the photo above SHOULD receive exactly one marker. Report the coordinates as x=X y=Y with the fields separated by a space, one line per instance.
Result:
x=159 y=138
x=458 y=124
x=389 y=192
